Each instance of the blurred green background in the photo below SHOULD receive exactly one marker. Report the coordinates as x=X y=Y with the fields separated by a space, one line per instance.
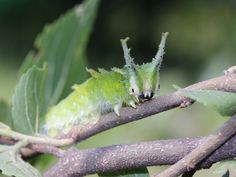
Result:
x=201 y=45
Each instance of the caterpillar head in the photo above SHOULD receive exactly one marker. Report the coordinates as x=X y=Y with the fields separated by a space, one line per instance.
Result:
x=143 y=80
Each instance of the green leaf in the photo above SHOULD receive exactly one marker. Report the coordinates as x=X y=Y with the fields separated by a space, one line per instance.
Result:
x=222 y=102
x=28 y=103
x=222 y=168
x=5 y=113
x=13 y=165
x=226 y=174
x=141 y=172
x=29 y=61
x=62 y=45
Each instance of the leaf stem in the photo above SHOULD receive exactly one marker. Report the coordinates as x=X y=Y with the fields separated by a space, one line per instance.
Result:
x=36 y=139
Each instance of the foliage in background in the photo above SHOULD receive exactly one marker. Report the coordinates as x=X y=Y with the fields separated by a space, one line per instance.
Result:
x=13 y=165
x=5 y=113
x=62 y=45
x=46 y=76
x=223 y=167
x=197 y=49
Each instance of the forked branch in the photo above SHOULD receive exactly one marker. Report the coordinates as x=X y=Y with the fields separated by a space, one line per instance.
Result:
x=143 y=154
x=163 y=152
x=190 y=161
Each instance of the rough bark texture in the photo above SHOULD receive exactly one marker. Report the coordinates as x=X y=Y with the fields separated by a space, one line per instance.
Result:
x=190 y=161
x=77 y=163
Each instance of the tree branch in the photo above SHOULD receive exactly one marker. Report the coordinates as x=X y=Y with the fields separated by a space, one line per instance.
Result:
x=154 y=106
x=76 y=163
x=190 y=161
x=142 y=154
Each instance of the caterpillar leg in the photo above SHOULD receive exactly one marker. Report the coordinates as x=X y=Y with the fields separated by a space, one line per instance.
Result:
x=117 y=109
x=132 y=104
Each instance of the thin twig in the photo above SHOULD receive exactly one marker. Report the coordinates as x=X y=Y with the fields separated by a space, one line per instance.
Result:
x=190 y=161
x=33 y=149
x=7 y=140
x=35 y=139
x=42 y=148
x=28 y=153
x=163 y=152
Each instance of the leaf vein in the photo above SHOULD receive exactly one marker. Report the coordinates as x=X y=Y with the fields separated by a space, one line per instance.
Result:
x=26 y=104
x=37 y=107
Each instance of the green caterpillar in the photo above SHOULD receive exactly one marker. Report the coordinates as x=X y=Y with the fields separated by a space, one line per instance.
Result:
x=106 y=91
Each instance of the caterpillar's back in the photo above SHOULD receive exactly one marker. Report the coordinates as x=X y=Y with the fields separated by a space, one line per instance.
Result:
x=106 y=91
x=87 y=102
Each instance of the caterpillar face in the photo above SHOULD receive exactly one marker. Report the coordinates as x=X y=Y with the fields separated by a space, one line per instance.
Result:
x=144 y=83
x=143 y=80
